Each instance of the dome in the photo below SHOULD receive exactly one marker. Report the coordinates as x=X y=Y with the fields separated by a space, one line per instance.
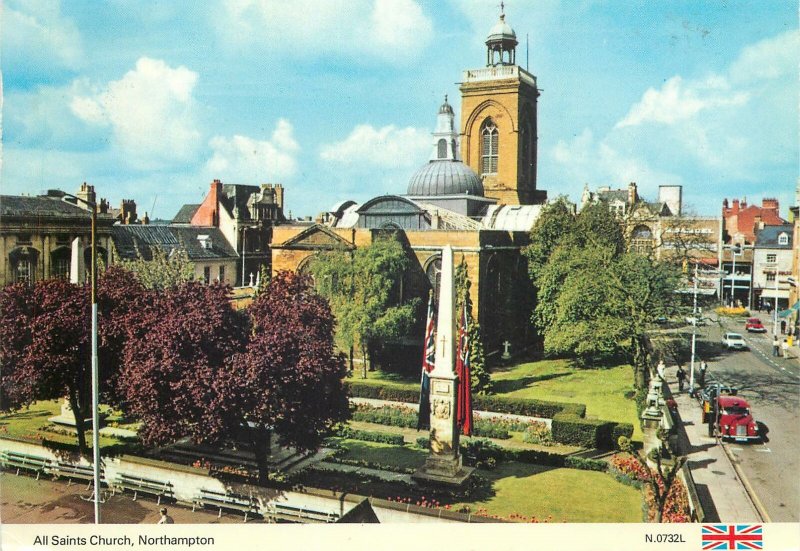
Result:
x=502 y=32
x=444 y=177
x=445 y=109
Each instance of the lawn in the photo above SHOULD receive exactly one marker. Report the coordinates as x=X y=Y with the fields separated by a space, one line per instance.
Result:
x=407 y=457
x=602 y=390
x=562 y=495
x=32 y=422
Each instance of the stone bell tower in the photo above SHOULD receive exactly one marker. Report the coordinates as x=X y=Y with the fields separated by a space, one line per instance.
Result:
x=499 y=122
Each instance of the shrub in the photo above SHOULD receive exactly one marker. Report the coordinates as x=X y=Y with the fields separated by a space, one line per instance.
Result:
x=538 y=433
x=733 y=312
x=371 y=436
x=423 y=442
x=499 y=404
x=585 y=464
x=621 y=429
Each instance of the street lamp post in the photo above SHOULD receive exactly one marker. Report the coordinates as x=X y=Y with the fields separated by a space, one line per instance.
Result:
x=694 y=333
x=94 y=367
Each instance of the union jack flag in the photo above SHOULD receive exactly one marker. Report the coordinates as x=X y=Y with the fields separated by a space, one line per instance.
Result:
x=428 y=362
x=732 y=536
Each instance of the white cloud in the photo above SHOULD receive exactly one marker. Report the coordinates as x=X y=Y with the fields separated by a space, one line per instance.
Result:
x=587 y=160
x=768 y=59
x=37 y=37
x=387 y=30
x=249 y=160
x=387 y=147
x=151 y=111
x=679 y=101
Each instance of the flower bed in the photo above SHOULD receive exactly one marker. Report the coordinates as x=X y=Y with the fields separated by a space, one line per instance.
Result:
x=628 y=470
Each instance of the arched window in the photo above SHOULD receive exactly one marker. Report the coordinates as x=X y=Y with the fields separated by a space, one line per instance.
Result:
x=642 y=240
x=433 y=270
x=489 y=147
x=442 y=149
x=60 y=261
x=23 y=264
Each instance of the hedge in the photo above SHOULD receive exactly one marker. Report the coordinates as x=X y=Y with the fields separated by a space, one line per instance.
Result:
x=406 y=418
x=371 y=436
x=500 y=404
x=588 y=433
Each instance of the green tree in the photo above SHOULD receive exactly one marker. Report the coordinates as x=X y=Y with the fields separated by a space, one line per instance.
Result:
x=160 y=270
x=556 y=221
x=363 y=288
x=594 y=300
x=480 y=379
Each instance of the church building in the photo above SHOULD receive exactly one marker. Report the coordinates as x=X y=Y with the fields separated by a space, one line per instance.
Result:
x=476 y=193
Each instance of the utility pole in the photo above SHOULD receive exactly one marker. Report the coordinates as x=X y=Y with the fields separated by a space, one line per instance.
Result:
x=694 y=332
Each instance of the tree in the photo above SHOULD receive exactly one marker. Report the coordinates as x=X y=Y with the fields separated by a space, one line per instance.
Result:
x=161 y=270
x=174 y=364
x=362 y=288
x=594 y=300
x=481 y=381
x=556 y=221
x=660 y=482
x=289 y=378
x=45 y=347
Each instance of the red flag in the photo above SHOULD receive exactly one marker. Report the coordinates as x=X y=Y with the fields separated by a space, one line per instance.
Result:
x=428 y=360
x=464 y=407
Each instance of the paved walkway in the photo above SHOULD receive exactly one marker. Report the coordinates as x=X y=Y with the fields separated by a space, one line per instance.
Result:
x=719 y=487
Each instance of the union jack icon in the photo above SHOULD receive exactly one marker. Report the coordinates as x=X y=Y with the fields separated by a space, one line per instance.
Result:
x=732 y=536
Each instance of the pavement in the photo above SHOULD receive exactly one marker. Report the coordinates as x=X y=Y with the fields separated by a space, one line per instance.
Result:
x=25 y=500
x=721 y=487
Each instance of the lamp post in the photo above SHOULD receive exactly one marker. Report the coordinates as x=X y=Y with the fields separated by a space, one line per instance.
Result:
x=94 y=368
x=694 y=333
x=244 y=232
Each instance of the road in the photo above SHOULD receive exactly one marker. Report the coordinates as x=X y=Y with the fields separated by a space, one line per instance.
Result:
x=772 y=386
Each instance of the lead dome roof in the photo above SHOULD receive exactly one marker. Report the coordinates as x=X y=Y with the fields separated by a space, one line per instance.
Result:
x=444 y=177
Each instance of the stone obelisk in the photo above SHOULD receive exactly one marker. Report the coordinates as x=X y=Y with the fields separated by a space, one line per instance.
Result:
x=443 y=465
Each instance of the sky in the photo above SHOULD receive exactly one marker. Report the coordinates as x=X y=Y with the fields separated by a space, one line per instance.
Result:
x=337 y=99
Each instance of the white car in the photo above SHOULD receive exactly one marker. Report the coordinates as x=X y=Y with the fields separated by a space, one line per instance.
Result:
x=734 y=341
x=695 y=320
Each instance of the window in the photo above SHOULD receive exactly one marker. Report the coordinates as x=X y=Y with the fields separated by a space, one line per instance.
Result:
x=222 y=274
x=771 y=276
x=23 y=271
x=442 y=149
x=207 y=274
x=489 y=147
x=783 y=239
x=772 y=258
x=61 y=267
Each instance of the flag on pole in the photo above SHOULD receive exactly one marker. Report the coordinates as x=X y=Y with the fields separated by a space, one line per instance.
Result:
x=428 y=362
x=464 y=407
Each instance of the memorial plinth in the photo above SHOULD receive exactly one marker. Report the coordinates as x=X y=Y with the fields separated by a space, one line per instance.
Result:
x=443 y=465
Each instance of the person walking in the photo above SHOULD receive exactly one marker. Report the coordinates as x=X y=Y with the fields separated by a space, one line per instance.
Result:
x=660 y=368
x=701 y=376
x=681 y=378
x=165 y=518
x=785 y=348
x=776 y=346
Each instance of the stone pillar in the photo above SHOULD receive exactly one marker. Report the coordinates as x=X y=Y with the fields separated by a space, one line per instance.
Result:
x=443 y=465
x=76 y=267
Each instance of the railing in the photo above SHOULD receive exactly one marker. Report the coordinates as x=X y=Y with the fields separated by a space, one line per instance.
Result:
x=497 y=73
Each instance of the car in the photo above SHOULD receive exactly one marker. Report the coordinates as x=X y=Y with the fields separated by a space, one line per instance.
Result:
x=707 y=395
x=734 y=341
x=734 y=420
x=695 y=320
x=754 y=325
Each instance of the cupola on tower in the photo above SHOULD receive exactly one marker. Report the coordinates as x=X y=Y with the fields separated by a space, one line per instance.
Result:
x=499 y=122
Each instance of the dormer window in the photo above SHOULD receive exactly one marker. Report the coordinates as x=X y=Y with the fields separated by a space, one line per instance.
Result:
x=205 y=241
x=783 y=239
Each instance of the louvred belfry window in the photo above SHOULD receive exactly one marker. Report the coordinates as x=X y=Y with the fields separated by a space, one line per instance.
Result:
x=489 y=147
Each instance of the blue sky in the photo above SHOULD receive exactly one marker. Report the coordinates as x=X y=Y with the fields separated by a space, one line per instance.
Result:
x=336 y=99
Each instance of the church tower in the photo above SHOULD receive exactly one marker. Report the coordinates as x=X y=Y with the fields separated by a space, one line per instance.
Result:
x=499 y=121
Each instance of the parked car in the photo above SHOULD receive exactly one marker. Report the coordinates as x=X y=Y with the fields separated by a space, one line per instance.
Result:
x=754 y=325
x=734 y=341
x=735 y=420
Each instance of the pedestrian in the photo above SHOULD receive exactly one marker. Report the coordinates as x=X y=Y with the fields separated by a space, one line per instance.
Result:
x=783 y=327
x=660 y=370
x=701 y=376
x=776 y=346
x=785 y=348
x=165 y=518
x=681 y=378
